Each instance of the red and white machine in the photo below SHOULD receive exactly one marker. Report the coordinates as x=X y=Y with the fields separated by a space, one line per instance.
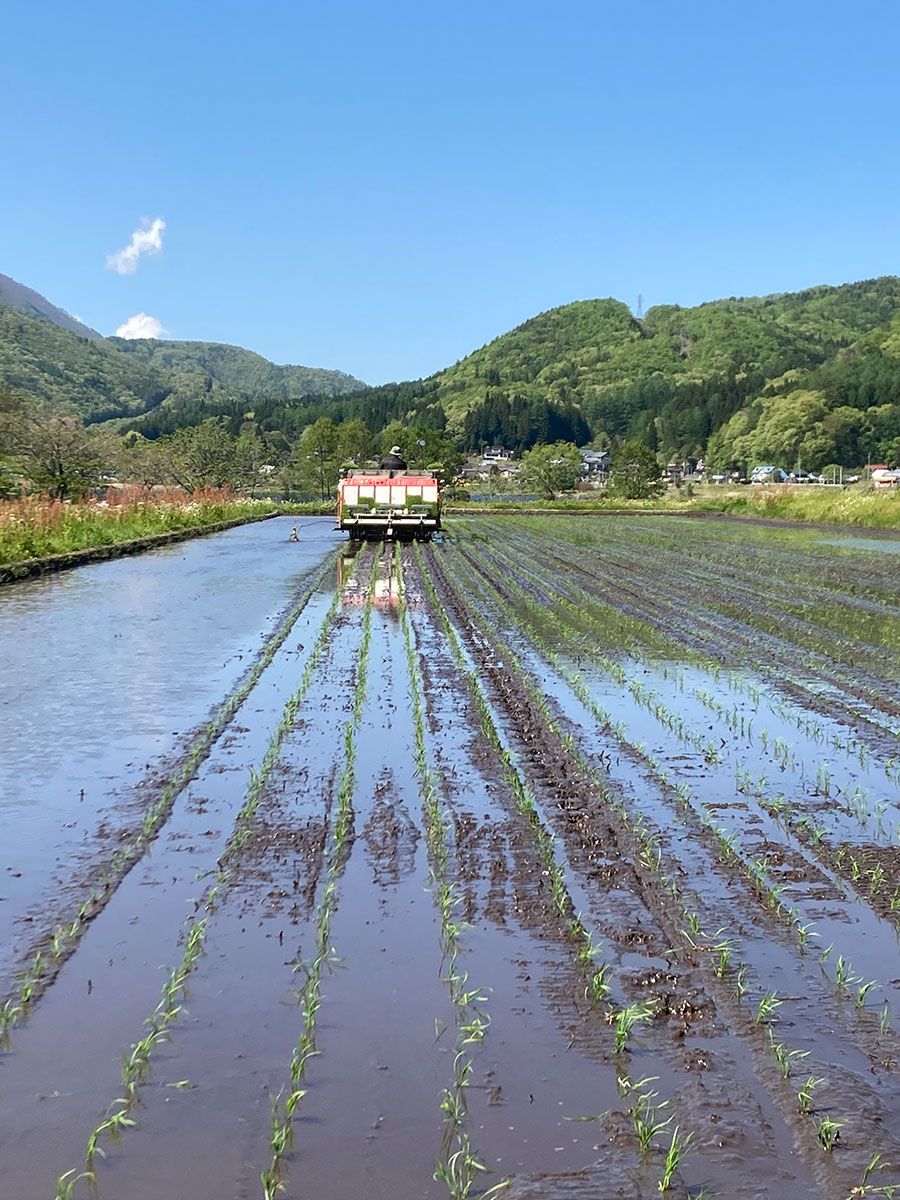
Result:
x=387 y=506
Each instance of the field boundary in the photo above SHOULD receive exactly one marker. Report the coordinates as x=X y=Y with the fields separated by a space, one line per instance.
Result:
x=708 y=514
x=27 y=568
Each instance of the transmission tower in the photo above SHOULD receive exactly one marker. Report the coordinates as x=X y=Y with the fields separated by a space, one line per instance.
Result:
x=640 y=307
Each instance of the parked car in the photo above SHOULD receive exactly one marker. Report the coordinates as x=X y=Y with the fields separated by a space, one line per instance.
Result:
x=768 y=475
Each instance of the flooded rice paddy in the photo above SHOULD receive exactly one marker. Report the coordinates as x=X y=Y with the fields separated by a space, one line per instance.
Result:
x=561 y=858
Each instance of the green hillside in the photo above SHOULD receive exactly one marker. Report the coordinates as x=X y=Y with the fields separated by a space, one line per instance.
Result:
x=716 y=356
x=811 y=376
x=88 y=376
x=105 y=378
x=688 y=379
x=238 y=369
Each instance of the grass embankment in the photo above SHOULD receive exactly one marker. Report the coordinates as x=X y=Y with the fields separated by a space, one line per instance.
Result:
x=860 y=506
x=36 y=528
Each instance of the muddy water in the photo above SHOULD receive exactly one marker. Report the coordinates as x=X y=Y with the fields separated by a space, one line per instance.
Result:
x=387 y=1033
x=105 y=671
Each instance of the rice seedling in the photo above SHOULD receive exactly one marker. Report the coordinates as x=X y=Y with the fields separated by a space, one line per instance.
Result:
x=785 y=1057
x=884 y=1018
x=646 y=1116
x=676 y=1152
x=598 y=986
x=460 y=1171
x=804 y=1096
x=863 y=991
x=272 y=1185
x=875 y=1164
x=69 y=1180
x=766 y=1009
x=627 y=1018
x=804 y=933
x=10 y=1012
x=844 y=975
x=828 y=1133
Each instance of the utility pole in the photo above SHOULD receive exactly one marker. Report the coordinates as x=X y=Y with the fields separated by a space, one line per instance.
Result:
x=640 y=307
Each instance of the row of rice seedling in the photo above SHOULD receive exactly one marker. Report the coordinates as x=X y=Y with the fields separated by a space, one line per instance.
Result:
x=286 y=1103
x=458 y=1165
x=580 y=646
x=723 y=949
x=136 y=1062
x=707 y=627
x=756 y=869
x=586 y=949
x=50 y=950
x=623 y=629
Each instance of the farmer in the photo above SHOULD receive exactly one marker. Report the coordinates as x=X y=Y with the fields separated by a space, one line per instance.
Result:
x=393 y=461
x=293 y=537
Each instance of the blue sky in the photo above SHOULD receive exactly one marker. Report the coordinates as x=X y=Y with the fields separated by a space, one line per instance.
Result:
x=383 y=188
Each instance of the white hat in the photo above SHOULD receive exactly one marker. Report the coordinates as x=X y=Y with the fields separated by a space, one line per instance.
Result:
x=395 y=449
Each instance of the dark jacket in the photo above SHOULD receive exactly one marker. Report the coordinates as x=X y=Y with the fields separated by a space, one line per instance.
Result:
x=392 y=462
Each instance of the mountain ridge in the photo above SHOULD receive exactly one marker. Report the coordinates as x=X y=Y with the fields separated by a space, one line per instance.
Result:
x=812 y=375
x=30 y=302
x=47 y=353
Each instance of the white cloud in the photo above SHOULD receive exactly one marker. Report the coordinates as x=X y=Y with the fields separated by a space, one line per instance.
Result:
x=146 y=240
x=140 y=326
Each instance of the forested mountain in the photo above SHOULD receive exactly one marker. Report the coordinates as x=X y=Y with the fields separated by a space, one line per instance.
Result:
x=26 y=300
x=84 y=375
x=238 y=369
x=810 y=376
x=104 y=378
x=680 y=375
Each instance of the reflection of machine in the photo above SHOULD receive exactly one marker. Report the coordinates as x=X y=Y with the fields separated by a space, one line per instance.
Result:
x=389 y=505
x=353 y=589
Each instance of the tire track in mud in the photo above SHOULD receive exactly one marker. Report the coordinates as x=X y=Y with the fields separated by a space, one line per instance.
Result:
x=373 y=1087
x=542 y=1058
x=104 y=999
x=785 y=1095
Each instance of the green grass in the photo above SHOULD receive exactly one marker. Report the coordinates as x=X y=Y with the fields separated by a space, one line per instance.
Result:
x=859 y=506
x=862 y=506
x=35 y=527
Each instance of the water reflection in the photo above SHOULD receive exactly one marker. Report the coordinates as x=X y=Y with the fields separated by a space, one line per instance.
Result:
x=105 y=670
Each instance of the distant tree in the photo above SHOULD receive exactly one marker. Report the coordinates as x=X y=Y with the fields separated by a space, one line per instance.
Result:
x=355 y=441
x=635 y=473
x=393 y=434
x=550 y=469
x=141 y=461
x=54 y=451
x=207 y=455
x=318 y=457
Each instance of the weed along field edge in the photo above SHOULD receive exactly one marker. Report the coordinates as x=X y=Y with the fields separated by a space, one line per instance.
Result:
x=557 y=858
